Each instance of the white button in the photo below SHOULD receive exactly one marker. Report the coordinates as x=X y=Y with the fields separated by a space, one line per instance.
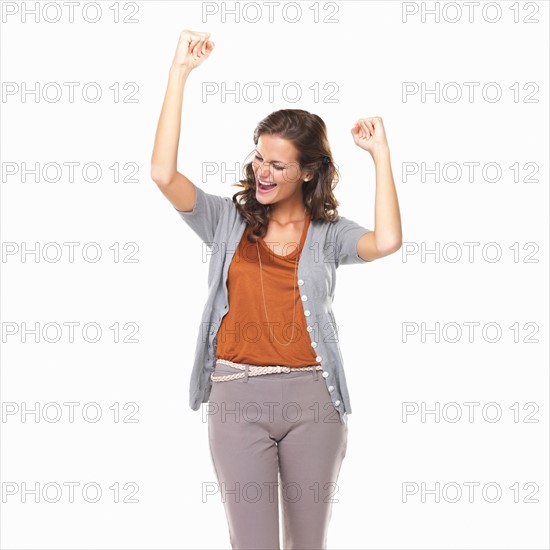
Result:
x=307 y=313
x=304 y=298
x=300 y=282
x=318 y=358
x=309 y=329
x=313 y=344
x=325 y=374
x=337 y=402
x=330 y=388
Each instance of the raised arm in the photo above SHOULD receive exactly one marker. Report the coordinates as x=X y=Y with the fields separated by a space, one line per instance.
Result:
x=386 y=238
x=193 y=48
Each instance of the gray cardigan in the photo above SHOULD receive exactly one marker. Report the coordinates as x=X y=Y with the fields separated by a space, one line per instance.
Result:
x=216 y=220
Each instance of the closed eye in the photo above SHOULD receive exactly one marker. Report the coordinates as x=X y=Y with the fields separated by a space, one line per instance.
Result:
x=274 y=166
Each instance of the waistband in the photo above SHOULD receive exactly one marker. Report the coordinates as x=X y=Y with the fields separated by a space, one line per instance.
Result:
x=257 y=370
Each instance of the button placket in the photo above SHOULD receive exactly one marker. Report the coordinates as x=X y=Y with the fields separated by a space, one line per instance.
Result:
x=318 y=358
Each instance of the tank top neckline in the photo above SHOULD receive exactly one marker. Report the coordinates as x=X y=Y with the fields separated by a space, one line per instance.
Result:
x=294 y=253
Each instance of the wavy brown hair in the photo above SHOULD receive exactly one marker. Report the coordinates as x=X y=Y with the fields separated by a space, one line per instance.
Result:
x=308 y=133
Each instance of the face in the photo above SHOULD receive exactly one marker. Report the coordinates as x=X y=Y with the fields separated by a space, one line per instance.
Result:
x=275 y=164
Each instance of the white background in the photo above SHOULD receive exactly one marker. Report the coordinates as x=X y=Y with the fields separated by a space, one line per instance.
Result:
x=368 y=52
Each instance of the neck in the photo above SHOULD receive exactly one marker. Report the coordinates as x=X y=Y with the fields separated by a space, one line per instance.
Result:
x=284 y=213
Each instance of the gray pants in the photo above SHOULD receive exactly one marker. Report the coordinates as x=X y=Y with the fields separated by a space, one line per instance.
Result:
x=260 y=427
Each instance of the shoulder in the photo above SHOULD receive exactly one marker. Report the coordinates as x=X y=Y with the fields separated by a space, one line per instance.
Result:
x=341 y=237
x=336 y=228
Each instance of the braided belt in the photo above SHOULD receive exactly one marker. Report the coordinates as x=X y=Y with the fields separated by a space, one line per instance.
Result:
x=255 y=370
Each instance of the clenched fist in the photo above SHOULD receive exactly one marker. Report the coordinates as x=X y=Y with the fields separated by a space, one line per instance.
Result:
x=370 y=135
x=193 y=48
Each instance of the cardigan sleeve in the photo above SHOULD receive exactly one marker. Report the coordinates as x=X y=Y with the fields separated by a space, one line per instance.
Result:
x=348 y=233
x=206 y=214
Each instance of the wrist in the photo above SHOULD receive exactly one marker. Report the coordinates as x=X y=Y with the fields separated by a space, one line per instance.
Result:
x=381 y=153
x=180 y=70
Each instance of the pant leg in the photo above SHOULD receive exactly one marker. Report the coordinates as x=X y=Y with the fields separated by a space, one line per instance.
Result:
x=310 y=457
x=245 y=459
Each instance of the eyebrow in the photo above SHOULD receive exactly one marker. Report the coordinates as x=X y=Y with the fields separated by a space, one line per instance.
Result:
x=278 y=161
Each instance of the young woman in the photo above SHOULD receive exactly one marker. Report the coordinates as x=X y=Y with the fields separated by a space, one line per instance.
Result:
x=269 y=364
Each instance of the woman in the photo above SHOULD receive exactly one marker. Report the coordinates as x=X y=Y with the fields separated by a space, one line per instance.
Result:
x=268 y=363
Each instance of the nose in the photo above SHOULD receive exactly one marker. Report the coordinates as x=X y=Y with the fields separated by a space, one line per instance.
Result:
x=264 y=170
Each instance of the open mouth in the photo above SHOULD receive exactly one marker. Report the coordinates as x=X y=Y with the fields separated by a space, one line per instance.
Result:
x=265 y=187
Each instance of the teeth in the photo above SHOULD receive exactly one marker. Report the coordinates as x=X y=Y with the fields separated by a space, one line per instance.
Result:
x=267 y=185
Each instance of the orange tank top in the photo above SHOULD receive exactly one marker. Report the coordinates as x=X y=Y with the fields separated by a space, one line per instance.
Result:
x=245 y=336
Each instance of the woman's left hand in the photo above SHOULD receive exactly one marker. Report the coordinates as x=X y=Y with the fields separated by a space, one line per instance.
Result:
x=369 y=134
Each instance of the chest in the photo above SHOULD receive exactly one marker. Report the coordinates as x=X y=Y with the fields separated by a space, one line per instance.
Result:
x=314 y=268
x=284 y=240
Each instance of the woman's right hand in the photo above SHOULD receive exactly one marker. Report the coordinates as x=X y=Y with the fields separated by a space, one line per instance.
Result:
x=193 y=48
